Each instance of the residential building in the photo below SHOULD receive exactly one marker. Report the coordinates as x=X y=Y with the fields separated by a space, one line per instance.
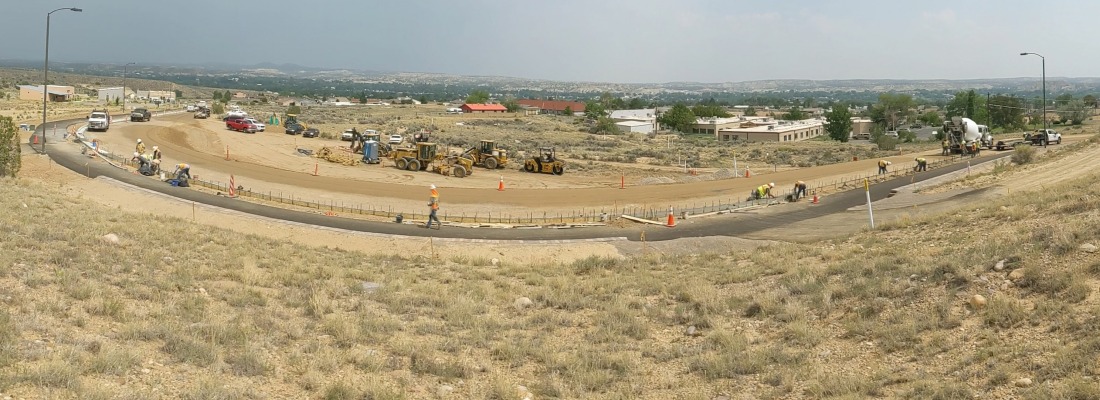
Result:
x=711 y=125
x=635 y=126
x=772 y=130
x=861 y=126
x=110 y=94
x=483 y=108
x=56 y=92
x=647 y=115
x=556 y=107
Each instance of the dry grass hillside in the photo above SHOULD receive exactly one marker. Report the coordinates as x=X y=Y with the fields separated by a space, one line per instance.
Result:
x=998 y=300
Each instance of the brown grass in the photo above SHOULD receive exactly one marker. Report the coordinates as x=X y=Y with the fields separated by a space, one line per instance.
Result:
x=195 y=312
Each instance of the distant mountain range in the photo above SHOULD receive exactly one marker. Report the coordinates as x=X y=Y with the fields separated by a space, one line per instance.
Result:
x=512 y=84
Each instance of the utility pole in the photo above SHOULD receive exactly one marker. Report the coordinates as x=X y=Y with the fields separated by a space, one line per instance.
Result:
x=988 y=116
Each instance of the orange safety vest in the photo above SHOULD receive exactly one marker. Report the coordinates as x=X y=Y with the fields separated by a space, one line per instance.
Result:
x=435 y=205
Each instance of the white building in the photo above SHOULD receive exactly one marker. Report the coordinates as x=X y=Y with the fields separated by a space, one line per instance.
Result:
x=635 y=126
x=646 y=115
x=110 y=94
x=772 y=130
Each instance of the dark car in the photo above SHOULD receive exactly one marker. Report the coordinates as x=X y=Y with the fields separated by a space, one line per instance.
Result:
x=294 y=129
x=311 y=132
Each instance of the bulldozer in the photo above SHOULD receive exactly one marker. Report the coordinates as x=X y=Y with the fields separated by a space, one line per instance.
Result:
x=487 y=155
x=425 y=156
x=546 y=162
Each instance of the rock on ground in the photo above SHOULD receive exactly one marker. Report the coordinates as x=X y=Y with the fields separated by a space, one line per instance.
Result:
x=522 y=303
x=111 y=238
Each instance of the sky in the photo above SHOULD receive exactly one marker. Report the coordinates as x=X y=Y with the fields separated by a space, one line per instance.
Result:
x=637 y=41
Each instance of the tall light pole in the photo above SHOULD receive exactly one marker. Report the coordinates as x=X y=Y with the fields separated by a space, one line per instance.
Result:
x=124 y=85
x=1045 y=126
x=46 y=73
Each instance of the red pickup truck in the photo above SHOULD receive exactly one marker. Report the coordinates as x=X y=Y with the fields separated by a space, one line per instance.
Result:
x=241 y=125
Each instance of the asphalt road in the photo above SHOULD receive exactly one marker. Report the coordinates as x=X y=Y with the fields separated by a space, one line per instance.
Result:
x=737 y=224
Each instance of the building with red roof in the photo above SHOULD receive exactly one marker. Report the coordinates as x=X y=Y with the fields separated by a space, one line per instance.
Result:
x=553 y=106
x=483 y=108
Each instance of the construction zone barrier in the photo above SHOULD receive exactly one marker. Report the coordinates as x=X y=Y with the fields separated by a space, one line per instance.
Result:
x=671 y=218
x=232 y=187
x=500 y=187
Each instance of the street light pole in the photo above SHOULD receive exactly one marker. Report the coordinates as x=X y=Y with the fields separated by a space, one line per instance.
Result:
x=1045 y=126
x=124 y=85
x=46 y=73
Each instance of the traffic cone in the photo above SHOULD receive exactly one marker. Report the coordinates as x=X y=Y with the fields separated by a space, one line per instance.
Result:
x=671 y=218
x=815 y=198
x=500 y=186
x=232 y=187
x=747 y=172
x=35 y=139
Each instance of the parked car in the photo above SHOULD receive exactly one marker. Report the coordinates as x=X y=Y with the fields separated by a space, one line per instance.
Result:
x=241 y=125
x=396 y=139
x=259 y=125
x=140 y=114
x=347 y=135
x=311 y=132
x=294 y=129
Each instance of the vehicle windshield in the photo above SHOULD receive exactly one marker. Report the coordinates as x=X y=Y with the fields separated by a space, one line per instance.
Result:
x=99 y=115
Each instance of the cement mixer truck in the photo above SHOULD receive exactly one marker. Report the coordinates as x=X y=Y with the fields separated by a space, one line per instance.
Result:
x=964 y=136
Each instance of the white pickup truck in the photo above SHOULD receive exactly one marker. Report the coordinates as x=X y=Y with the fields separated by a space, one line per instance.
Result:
x=99 y=120
x=1043 y=137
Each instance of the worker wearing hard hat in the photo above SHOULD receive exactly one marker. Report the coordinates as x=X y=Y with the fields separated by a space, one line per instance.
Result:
x=922 y=164
x=946 y=147
x=182 y=171
x=433 y=204
x=140 y=148
x=765 y=191
x=882 y=164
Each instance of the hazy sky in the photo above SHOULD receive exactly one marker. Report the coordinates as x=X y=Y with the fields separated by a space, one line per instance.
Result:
x=589 y=40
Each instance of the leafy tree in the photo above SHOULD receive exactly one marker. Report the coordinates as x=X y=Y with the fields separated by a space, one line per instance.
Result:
x=605 y=125
x=10 y=152
x=838 y=123
x=477 y=97
x=1063 y=99
x=931 y=118
x=594 y=110
x=217 y=107
x=511 y=104
x=116 y=101
x=1089 y=100
x=179 y=93
x=1006 y=112
x=423 y=99
x=636 y=103
x=567 y=111
x=710 y=110
x=679 y=118
x=750 y=112
x=294 y=109
x=1075 y=112
x=891 y=109
x=795 y=114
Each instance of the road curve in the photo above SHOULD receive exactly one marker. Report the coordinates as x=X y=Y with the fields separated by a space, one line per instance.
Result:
x=737 y=224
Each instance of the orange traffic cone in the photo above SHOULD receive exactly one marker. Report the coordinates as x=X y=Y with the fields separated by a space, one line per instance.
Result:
x=815 y=197
x=747 y=172
x=232 y=187
x=500 y=186
x=671 y=218
x=35 y=139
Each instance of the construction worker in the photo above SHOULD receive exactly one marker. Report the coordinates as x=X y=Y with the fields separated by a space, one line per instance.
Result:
x=433 y=203
x=140 y=148
x=182 y=171
x=882 y=164
x=946 y=147
x=922 y=164
x=765 y=191
x=799 y=190
x=156 y=153
x=356 y=140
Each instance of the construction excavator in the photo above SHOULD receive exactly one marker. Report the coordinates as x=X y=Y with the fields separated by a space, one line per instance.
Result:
x=487 y=155
x=425 y=156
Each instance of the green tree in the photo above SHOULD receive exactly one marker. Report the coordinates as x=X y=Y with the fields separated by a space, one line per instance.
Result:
x=750 y=112
x=217 y=108
x=594 y=110
x=636 y=103
x=179 y=93
x=1089 y=100
x=795 y=114
x=891 y=109
x=1006 y=112
x=477 y=97
x=11 y=158
x=838 y=123
x=116 y=101
x=1075 y=112
x=605 y=125
x=967 y=104
x=511 y=104
x=567 y=111
x=679 y=118
x=931 y=118
x=423 y=99
x=294 y=109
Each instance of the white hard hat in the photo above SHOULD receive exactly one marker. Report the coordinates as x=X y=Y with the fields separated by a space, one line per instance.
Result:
x=433 y=186
x=772 y=184
x=155 y=148
x=136 y=154
x=139 y=140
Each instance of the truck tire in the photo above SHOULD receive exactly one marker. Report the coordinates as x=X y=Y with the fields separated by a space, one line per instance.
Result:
x=460 y=172
x=414 y=165
x=401 y=163
x=559 y=169
x=490 y=163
